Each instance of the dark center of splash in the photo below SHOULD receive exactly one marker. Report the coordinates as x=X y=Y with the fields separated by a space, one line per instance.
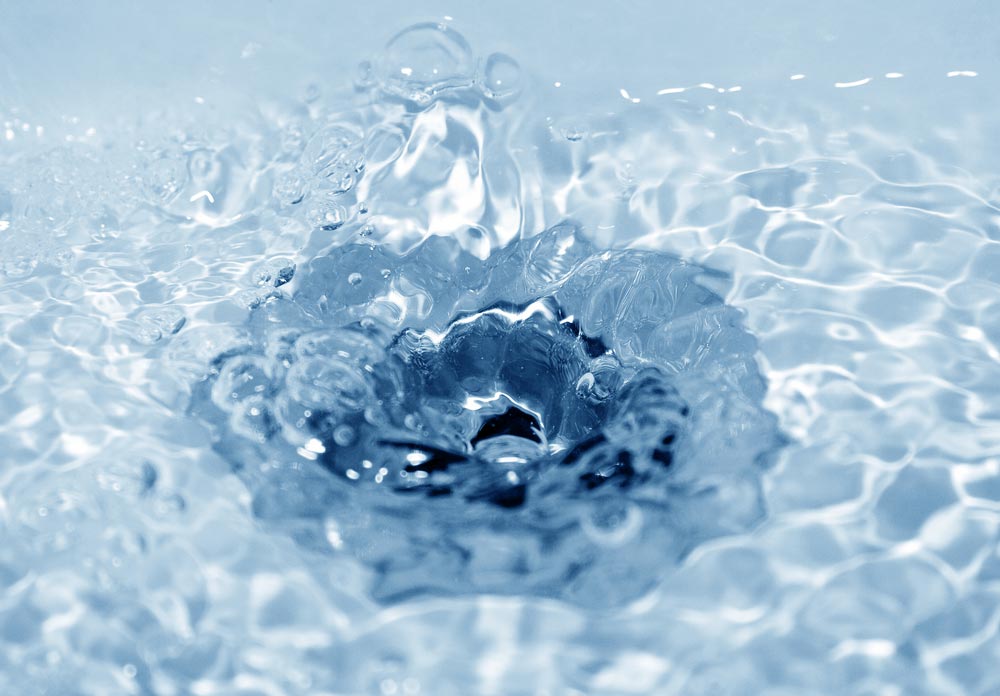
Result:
x=500 y=398
x=551 y=420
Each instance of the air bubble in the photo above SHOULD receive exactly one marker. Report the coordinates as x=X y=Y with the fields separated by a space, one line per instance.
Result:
x=612 y=524
x=163 y=178
x=274 y=272
x=554 y=253
x=240 y=379
x=843 y=332
x=384 y=145
x=335 y=156
x=500 y=78
x=253 y=419
x=204 y=167
x=62 y=258
x=364 y=77
x=572 y=128
x=351 y=345
x=355 y=278
x=424 y=60
x=327 y=215
x=19 y=266
x=155 y=324
x=290 y=187
x=127 y=478
x=292 y=139
x=251 y=298
x=168 y=506
x=312 y=93
x=344 y=435
x=327 y=384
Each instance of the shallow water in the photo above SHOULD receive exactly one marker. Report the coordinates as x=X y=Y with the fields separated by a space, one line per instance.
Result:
x=425 y=380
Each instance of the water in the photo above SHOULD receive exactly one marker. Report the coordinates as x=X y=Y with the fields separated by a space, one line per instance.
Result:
x=585 y=422
x=428 y=378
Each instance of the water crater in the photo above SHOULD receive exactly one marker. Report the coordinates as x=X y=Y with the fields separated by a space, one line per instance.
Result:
x=565 y=421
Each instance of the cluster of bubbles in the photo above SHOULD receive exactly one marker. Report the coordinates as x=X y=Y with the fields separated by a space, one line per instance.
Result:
x=426 y=60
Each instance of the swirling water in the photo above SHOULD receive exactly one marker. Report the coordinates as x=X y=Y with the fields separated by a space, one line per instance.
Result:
x=410 y=389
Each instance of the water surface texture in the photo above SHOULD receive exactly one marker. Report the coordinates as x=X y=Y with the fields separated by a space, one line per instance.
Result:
x=462 y=372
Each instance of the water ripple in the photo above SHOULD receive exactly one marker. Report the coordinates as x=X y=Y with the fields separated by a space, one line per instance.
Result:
x=142 y=259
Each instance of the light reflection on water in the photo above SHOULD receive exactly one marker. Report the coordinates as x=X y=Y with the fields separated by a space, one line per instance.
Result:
x=862 y=254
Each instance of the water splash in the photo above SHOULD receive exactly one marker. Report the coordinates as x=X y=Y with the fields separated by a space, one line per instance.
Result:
x=573 y=424
x=371 y=228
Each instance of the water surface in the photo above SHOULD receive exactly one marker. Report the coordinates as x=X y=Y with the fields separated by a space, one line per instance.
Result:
x=678 y=377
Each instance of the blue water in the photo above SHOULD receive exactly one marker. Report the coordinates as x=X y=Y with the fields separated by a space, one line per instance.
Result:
x=459 y=374
x=549 y=420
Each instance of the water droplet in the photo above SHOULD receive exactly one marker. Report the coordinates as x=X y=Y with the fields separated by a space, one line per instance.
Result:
x=354 y=279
